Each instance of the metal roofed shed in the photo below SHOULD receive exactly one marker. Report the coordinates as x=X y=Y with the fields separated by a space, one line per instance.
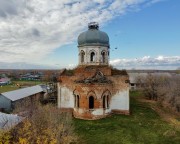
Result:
x=8 y=99
x=22 y=93
x=8 y=121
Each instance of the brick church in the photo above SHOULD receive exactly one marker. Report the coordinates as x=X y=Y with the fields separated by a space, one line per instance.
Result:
x=93 y=90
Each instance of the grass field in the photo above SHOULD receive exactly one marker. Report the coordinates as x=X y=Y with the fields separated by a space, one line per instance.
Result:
x=143 y=126
x=7 y=88
x=17 y=85
x=27 y=83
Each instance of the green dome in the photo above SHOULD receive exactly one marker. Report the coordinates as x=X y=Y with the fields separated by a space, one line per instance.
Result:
x=93 y=37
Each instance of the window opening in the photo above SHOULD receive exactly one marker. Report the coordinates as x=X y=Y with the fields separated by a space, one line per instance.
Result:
x=91 y=102
x=107 y=101
x=104 y=102
x=92 y=57
x=82 y=56
x=77 y=101
x=103 y=57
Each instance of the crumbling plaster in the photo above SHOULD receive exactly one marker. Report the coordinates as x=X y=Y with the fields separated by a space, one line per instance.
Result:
x=118 y=95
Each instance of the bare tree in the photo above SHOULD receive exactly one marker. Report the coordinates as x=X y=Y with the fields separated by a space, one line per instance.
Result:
x=150 y=87
x=165 y=89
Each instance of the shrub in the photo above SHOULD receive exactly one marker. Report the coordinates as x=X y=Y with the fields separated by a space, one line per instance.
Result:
x=45 y=125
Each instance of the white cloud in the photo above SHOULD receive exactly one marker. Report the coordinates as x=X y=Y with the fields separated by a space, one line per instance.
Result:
x=147 y=62
x=31 y=29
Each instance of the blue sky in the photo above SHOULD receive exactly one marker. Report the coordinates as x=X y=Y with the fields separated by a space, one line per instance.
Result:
x=146 y=33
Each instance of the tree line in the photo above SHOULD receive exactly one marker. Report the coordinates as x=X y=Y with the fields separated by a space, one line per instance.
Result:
x=161 y=88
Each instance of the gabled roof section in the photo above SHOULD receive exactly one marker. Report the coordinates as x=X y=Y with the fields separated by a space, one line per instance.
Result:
x=22 y=93
x=7 y=121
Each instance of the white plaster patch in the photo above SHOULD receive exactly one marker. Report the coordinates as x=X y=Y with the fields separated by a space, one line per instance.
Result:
x=79 y=110
x=65 y=98
x=107 y=111
x=120 y=101
x=97 y=112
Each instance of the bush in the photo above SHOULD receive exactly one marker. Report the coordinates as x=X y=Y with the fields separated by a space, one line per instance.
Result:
x=47 y=125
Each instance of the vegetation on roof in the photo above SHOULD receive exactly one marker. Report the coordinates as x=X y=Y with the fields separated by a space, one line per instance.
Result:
x=68 y=72
x=118 y=72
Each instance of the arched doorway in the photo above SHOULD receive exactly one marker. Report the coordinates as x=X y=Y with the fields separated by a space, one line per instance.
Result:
x=91 y=102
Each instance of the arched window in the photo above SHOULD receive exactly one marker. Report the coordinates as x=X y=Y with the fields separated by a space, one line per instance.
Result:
x=77 y=101
x=107 y=101
x=92 y=57
x=104 y=102
x=82 y=56
x=106 y=95
x=91 y=102
x=103 y=56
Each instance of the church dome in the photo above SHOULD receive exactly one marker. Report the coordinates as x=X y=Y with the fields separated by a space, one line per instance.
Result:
x=93 y=36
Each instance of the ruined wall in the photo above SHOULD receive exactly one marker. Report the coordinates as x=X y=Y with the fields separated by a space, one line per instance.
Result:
x=115 y=87
x=88 y=71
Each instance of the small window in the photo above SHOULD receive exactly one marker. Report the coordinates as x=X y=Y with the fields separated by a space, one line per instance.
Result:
x=91 y=102
x=77 y=101
x=82 y=56
x=104 y=102
x=74 y=100
x=103 y=56
x=107 y=101
x=92 y=57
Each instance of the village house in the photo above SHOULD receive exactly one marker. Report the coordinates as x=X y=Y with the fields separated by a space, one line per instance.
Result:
x=94 y=89
x=5 y=81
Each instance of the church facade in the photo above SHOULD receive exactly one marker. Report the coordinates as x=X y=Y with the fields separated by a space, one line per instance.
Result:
x=94 y=89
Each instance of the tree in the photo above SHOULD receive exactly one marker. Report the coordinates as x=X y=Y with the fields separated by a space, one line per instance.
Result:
x=151 y=86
